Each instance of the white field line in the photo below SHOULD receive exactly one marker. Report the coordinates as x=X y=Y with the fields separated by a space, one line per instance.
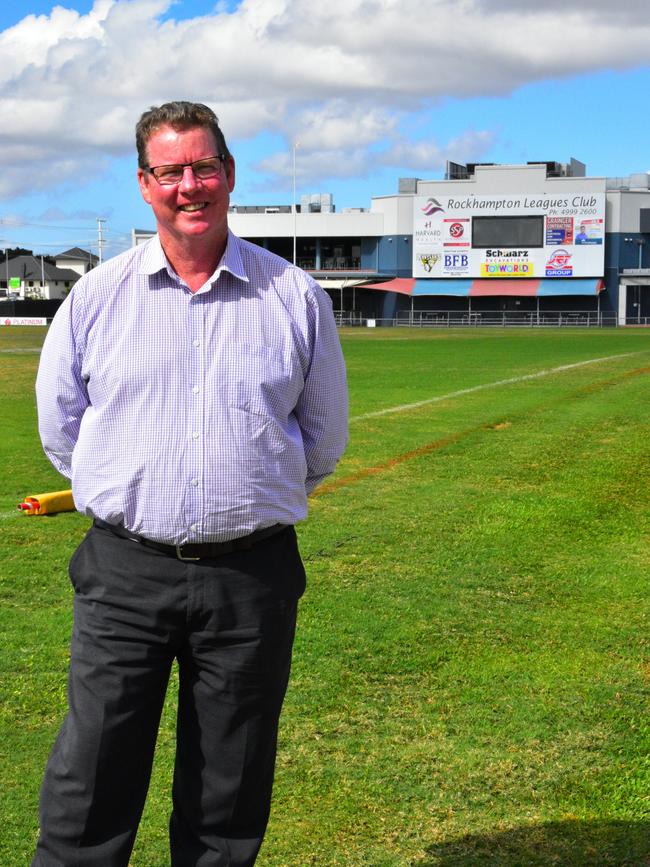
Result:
x=541 y=373
x=18 y=350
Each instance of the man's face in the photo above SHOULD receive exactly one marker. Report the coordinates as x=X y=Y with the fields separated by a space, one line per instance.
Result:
x=193 y=208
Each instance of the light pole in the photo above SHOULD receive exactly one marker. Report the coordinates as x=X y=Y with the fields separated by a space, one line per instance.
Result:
x=640 y=242
x=295 y=205
x=100 y=239
x=6 y=265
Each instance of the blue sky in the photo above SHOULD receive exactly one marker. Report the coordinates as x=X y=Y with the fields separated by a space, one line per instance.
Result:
x=372 y=90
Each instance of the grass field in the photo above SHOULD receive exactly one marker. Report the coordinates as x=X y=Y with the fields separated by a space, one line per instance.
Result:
x=471 y=672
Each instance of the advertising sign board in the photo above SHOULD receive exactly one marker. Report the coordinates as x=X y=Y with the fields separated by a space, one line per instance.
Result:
x=23 y=320
x=514 y=235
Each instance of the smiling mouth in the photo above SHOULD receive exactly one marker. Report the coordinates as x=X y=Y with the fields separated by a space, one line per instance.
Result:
x=193 y=206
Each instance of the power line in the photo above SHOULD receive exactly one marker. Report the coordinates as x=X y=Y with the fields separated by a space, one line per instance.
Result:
x=92 y=242
x=19 y=224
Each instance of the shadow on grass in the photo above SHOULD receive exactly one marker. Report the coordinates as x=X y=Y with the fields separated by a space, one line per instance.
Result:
x=566 y=844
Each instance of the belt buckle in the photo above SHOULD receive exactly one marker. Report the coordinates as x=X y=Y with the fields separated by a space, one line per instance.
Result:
x=180 y=556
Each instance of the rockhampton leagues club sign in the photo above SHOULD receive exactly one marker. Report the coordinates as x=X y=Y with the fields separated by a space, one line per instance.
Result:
x=518 y=236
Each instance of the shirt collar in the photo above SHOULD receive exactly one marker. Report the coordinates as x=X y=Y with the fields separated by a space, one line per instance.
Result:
x=154 y=260
x=231 y=260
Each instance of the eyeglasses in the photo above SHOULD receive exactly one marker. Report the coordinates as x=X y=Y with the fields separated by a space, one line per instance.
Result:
x=171 y=175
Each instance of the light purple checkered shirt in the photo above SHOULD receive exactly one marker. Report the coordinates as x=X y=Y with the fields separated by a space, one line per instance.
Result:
x=193 y=417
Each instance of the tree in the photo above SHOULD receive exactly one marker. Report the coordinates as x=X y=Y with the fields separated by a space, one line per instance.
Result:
x=12 y=252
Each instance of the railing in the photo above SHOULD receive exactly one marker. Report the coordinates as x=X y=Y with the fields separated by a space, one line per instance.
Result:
x=505 y=319
x=494 y=319
x=643 y=321
x=330 y=263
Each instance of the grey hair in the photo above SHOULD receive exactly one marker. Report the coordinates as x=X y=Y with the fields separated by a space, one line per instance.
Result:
x=179 y=115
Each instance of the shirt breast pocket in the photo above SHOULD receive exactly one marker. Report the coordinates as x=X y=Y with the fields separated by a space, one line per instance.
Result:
x=263 y=386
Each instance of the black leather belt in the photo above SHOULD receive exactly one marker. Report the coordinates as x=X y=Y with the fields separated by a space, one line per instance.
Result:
x=194 y=550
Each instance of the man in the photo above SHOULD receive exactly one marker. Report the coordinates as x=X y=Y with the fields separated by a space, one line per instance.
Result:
x=193 y=389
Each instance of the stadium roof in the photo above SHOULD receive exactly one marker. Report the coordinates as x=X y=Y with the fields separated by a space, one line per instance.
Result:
x=487 y=287
x=403 y=285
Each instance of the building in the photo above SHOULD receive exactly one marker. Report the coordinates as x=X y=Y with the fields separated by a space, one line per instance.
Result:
x=539 y=243
x=77 y=260
x=36 y=278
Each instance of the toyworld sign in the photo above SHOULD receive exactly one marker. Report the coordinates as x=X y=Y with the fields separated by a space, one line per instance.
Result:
x=517 y=236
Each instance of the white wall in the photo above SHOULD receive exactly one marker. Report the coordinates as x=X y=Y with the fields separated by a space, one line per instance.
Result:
x=334 y=225
x=77 y=265
x=623 y=208
x=396 y=212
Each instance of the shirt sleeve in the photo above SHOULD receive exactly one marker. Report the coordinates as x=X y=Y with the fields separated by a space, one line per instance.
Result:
x=61 y=395
x=322 y=409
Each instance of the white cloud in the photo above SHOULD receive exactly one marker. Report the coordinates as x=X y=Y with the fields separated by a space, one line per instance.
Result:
x=339 y=77
x=333 y=144
x=429 y=155
x=333 y=125
x=310 y=168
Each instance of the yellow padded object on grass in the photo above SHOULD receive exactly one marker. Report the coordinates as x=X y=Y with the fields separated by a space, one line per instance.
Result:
x=47 y=504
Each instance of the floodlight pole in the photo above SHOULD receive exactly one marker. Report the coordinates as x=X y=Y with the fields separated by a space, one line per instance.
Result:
x=295 y=206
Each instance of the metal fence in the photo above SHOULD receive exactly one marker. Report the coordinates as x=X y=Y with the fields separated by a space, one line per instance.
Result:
x=495 y=319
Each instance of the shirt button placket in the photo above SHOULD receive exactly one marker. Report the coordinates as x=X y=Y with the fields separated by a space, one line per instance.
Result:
x=195 y=417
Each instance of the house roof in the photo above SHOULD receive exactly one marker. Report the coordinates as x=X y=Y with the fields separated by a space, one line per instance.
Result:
x=31 y=268
x=78 y=253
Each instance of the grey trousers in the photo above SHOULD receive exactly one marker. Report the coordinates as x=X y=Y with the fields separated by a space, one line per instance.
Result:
x=230 y=622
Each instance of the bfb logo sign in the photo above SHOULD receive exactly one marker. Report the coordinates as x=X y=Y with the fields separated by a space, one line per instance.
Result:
x=456 y=260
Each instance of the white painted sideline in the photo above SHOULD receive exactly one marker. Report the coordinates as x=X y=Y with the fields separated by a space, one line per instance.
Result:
x=406 y=406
